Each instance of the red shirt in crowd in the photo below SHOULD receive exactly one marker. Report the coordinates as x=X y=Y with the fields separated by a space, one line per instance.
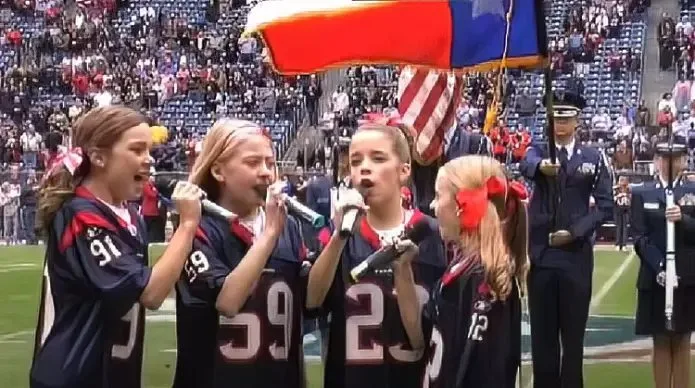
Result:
x=14 y=37
x=520 y=143
x=150 y=201
x=81 y=84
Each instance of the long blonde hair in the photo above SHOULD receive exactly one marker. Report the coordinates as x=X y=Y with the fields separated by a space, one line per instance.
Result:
x=99 y=128
x=221 y=142
x=501 y=239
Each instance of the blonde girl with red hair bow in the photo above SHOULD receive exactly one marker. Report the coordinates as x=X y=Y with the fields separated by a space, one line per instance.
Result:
x=475 y=310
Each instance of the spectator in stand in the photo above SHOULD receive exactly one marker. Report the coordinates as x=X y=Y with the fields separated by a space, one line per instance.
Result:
x=622 y=195
x=30 y=142
x=666 y=39
x=526 y=108
x=665 y=117
x=622 y=157
x=151 y=213
x=9 y=204
x=601 y=122
x=521 y=140
x=27 y=202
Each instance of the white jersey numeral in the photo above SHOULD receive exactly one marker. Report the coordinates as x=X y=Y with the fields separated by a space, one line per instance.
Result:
x=132 y=317
x=280 y=313
x=371 y=297
x=104 y=249
x=435 y=365
x=196 y=264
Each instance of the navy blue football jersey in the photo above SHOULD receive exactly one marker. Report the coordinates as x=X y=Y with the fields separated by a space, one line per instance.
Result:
x=474 y=341
x=368 y=346
x=91 y=324
x=261 y=346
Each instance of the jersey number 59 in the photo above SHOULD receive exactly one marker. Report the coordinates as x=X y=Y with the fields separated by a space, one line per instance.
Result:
x=279 y=313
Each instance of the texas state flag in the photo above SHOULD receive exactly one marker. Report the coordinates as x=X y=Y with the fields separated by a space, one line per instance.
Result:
x=305 y=36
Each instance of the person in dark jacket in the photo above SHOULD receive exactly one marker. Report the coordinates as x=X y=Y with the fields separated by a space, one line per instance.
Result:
x=671 y=355
x=561 y=229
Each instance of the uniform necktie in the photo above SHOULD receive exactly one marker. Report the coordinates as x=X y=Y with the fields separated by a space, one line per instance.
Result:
x=563 y=155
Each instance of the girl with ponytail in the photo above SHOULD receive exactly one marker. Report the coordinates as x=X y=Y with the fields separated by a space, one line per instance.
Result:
x=96 y=276
x=475 y=313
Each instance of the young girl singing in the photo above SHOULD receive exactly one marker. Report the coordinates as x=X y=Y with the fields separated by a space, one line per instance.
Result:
x=96 y=278
x=367 y=345
x=475 y=310
x=241 y=294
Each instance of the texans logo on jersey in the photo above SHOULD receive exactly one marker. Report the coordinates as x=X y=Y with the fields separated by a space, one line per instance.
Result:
x=482 y=306
x=94 y=232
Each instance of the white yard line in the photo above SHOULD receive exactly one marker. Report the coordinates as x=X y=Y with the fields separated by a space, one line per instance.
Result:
x=602 y=292
x=13 y=336
x=605 y=289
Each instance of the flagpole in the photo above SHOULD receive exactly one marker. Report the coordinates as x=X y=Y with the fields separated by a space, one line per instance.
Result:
x=549 y=116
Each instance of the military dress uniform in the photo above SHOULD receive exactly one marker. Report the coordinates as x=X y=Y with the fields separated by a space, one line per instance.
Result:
x=559 y=282
x=649 y=231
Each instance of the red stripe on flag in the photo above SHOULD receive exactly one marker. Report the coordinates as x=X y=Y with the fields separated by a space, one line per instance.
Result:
x=433 y=100
x=418 y=113
x=435 y=148
x=411 y=90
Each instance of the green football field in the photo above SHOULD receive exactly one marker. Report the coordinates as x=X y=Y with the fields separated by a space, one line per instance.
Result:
x=614 y=356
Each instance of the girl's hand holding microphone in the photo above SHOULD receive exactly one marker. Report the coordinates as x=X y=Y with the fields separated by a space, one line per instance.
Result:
x=347 y=199
x=186 y=198
x=409 y=250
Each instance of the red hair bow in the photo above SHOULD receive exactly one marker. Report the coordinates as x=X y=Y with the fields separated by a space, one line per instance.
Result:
x=71 y=159
x=472 y=204
x=393 y=120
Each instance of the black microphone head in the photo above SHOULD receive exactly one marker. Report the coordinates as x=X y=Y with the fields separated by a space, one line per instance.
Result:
x=418 y=232
x=165 y=186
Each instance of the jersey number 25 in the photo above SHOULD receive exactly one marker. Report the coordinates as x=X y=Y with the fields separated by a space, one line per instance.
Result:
x=371 y=298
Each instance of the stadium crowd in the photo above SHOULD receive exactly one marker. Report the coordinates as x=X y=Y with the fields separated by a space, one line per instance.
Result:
x=185 y=65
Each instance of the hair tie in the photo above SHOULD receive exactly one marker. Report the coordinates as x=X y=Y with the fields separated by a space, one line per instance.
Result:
x=71 y=158
x=472 y=204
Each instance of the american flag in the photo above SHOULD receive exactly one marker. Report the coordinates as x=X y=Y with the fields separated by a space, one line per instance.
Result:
x=427 y=102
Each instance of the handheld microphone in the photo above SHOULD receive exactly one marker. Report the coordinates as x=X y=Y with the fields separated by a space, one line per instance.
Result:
x=165 y=187
x=349 y=218
x=299 y=210
x=386 y=255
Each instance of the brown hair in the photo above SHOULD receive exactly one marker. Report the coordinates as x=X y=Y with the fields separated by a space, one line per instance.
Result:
x=400 y=143
x=501 y=238
x=221 y=142
x=99 y=128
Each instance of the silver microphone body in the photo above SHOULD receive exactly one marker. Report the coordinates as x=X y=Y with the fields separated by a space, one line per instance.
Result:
x=349 y=218
x=217 y=210
x=166 y=188
x=302 y=211
x=349 y=215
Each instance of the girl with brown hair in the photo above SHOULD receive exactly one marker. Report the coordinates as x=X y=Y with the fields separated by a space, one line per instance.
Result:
x=475 y=310
x=241 y=294
x=367 y=345
x=96 y=277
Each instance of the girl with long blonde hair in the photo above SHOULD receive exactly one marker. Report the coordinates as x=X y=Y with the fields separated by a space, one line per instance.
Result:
x=240 y=297
x=97 y=281
x=475 y=313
